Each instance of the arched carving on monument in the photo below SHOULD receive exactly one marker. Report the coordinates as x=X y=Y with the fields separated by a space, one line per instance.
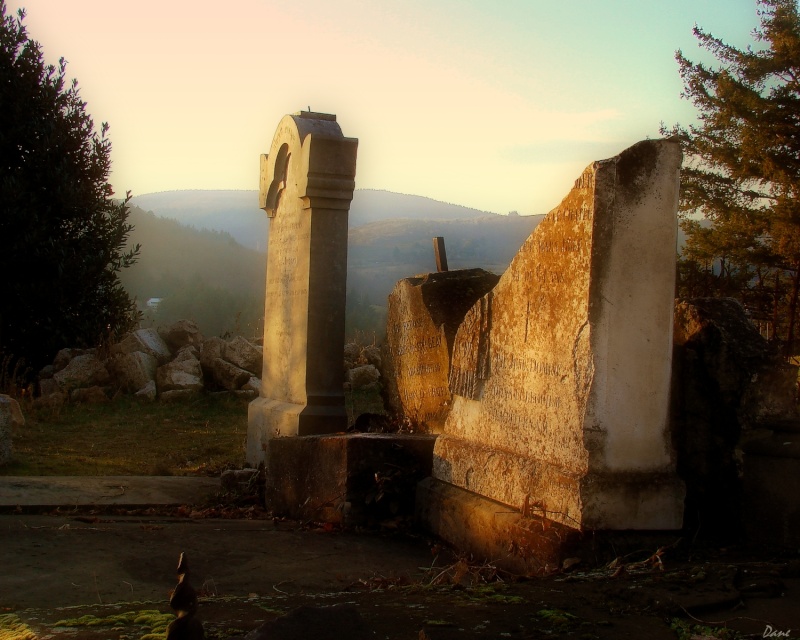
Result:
x=279 y=180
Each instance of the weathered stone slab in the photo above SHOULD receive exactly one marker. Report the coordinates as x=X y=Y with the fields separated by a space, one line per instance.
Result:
x=423 y=316
x=146 y=340
x=181 y=334
x=229 y=376
x=561 y=374
x=86 y=370
x=132 y=371
x=349 y=479
x=307 y=183
x=244 y=354
x=182 y=374
x=522 y=544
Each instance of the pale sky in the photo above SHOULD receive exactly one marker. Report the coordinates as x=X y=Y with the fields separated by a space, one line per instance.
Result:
x=493 y=104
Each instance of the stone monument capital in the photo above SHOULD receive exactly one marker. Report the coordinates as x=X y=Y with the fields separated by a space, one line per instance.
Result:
x=311 y=160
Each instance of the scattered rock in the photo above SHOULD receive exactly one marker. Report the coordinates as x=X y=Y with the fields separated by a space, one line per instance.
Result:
x=150 y=364
x=253 y=384
x=146 y=340
x=147 y=392
x=51 y=401
x=211 y=349
x=180 y=375
x=229 y=376
x=244 y=354
x=362 y=376
x=181 y=334
x=132 y=371
x=371 y=354
x=351 y=352
x=64 y=356
x=85 y=370
x=48 y=386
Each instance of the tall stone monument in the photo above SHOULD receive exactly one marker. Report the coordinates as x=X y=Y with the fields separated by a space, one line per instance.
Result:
x=561 y=374
x=307 y=183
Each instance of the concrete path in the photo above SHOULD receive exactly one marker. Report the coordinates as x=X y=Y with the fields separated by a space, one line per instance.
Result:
x=59 y=561
x=62 y=560
x=70 y=491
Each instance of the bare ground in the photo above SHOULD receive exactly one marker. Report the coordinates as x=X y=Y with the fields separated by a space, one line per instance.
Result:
x=82 y=576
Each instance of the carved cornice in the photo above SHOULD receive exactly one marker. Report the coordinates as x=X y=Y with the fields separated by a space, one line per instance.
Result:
x=311 y=160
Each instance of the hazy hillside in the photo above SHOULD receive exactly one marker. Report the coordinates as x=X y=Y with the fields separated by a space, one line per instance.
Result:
x=203 y=275
x=237 y=212
x=370 y=205
x=489 y=242
x=208 y=276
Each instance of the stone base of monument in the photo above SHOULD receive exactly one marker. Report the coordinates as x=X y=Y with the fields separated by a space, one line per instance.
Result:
x=269 y=419
x=352 y=479
x=771 y=487
x=494 y=532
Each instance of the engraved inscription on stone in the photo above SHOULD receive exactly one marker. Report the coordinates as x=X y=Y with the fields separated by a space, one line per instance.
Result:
x=421 y=326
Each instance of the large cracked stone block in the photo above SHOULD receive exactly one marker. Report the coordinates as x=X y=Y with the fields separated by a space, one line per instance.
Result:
x=560 y=375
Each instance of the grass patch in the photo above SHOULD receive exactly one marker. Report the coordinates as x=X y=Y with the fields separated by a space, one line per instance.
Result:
x=125 y=437
x=130 y=438
x=12 y=628
x=154 y=623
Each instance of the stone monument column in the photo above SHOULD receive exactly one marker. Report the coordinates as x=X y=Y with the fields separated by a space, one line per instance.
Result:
x=306 y=186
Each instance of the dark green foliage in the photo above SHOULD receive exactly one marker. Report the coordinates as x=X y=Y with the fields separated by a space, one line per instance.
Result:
x=742 y=171
x=62 y=236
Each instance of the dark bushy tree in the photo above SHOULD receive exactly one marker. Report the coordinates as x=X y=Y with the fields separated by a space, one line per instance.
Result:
x=742 y=170
x=62 y=235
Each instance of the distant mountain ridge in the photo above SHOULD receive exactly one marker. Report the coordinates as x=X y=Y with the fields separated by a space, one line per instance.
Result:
x=237 y=212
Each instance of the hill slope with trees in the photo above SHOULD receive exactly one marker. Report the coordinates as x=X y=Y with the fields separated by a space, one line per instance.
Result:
x=199 y=274
x=208 y=276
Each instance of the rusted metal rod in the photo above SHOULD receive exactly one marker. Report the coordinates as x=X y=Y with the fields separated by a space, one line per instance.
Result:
x=441 y=254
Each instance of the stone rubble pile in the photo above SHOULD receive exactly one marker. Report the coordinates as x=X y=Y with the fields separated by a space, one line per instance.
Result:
x=172 y=363
x=177 y=363
x=362 y=365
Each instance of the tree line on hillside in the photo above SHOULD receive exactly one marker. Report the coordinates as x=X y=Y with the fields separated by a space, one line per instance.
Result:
x=198 y=274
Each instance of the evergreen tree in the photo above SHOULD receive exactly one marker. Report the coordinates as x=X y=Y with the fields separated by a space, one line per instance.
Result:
x=62 y=235
x=742 y=170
